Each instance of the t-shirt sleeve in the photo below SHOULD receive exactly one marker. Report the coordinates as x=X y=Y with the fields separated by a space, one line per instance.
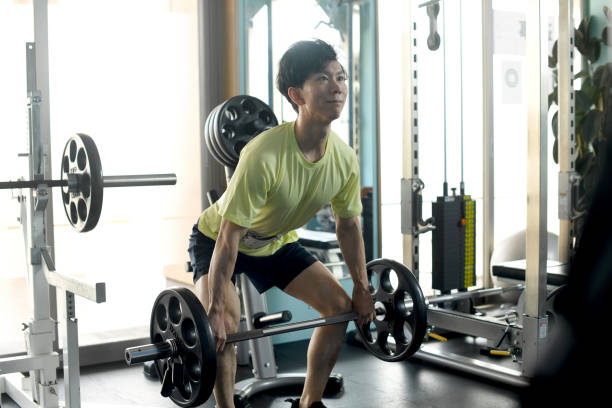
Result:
x=248 y=189
x=347 y=203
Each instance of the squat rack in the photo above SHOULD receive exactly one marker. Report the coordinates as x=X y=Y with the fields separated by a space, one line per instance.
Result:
x=39 y=389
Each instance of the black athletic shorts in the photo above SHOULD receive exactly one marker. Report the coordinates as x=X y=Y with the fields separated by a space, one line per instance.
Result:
x=278 y=269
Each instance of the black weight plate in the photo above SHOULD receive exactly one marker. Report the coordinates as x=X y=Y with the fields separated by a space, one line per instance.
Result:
x=221 y=156
x=178 y=314
x=398 y=333
x=239 y=120
x=214 y=132
x=208 y=137
x=82 y=207
x=214 y=150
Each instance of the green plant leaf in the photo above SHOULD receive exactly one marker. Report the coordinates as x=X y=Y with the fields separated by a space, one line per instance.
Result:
x=554 y=124
x=585 y=29
x=590 y=90
x=582 y=74
x=580 y=39
x=593 y=50
x=602 y=77
x=556 y=151
x=583 y=102
x=592 y=125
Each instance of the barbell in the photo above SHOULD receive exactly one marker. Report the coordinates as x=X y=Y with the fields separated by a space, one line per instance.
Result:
x=184 y=352
x=83 y=184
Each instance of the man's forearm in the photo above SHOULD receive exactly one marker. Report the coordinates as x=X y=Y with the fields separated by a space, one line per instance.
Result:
x=351 y=245
x=220 y=272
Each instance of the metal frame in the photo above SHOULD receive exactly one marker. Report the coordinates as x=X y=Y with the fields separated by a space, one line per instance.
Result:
x=42 y=360
x=528 y=340
x=488 y=126
x=566 y=136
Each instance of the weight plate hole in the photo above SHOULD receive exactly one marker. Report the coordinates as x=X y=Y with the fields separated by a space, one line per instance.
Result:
x=370 y=333
x=161 y=317
x=188 y=331
x=227 y=131
x=194 y=369
x=405 y=305
x=248 y=106
x=65 y=165
x=374 y=282
x=82 y=159
x=265 y=116
x=73 y=150
x=174 y=310
x=82 y=207
x=238 y=147
x=389 y=280
x=389 y=344
x=74 y=217
x=407 y=334
x=85 y=185
x=185 y=390
x=231 y=113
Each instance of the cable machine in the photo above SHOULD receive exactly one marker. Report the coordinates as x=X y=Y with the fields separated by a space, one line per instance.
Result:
x=453 y=215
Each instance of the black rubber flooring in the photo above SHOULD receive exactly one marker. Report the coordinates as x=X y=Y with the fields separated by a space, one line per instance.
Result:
x=368 y=382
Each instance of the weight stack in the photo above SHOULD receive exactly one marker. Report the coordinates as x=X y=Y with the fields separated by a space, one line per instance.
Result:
x=454 y=243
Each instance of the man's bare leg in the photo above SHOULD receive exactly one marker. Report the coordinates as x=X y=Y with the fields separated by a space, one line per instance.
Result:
x=319 y=288
x=226 y=360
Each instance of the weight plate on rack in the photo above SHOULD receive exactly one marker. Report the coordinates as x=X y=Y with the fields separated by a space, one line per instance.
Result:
x=82 y=205
x=223 y=157
x=397 y=333
x=178 y=314
x=209 y=138
x=239 y=120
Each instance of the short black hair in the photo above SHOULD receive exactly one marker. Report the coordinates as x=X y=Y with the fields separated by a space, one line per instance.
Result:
x=299 y=61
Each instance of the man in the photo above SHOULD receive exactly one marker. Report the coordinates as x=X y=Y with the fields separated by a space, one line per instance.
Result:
x=284 y=176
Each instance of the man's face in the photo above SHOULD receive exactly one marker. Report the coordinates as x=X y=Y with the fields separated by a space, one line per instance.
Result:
x=324 y=93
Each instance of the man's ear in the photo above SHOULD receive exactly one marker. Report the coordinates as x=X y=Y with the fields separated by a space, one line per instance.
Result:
x=296 y=95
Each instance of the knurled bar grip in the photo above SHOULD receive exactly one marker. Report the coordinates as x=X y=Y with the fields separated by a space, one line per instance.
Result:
x=109 y=181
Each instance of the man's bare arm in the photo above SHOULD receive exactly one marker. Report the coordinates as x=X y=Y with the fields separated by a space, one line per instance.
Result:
x=348 y=231
x=220 y=273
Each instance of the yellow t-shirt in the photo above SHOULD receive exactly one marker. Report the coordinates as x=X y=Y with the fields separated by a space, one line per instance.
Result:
x=275 y=190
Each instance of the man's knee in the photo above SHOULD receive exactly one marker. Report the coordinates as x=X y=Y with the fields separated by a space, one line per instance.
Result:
x=338 y=305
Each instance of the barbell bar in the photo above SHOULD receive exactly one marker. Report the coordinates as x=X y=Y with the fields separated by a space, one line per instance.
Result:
x=165 y=349
x=133 y=180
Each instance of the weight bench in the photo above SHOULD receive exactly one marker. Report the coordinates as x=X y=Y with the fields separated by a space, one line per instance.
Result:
x=556 y=272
